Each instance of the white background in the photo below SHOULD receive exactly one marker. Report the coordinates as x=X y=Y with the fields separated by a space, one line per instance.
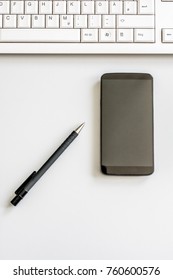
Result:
x=75 y=212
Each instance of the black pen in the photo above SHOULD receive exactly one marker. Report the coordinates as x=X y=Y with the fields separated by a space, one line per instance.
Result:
x=35 y=176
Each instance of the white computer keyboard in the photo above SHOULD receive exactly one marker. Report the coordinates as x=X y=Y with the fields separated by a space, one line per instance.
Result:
x=86 y=26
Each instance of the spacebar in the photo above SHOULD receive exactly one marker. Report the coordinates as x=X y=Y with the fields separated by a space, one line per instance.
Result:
x=39 y=35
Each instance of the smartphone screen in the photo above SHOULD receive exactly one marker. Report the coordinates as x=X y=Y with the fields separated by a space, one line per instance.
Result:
x=127 y=124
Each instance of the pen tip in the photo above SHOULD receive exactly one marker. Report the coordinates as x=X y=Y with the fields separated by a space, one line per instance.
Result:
x=78 y=130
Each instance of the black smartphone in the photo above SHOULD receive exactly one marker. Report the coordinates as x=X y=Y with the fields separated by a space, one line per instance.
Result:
x=127 y=140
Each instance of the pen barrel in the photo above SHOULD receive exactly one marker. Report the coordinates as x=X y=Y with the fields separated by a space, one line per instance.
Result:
x=52 y=159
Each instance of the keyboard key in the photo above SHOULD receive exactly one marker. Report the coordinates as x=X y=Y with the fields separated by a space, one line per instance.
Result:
x=38 y=21
x=24 y=21
x=94 y=21
x=101 y=7
x=107 y=35
x=45 y=7
x=135 y=21
x=80 y=21
x=144 y=35
x=17 y=7
x=52 y=21
x=87 y=7
x=124 y=35
x=167 y=35
x=108 y=21
x=66 y=21
x=34 y=35
x=73 y=7
x=4 y=7
x=130 y=7
x=59 y=7
x=9 y=21
x=31 y=7
x=89 y=35
x=116 y=7
x=146 y=7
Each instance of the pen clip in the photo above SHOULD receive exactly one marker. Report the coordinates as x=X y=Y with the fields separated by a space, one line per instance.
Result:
x=21 y=188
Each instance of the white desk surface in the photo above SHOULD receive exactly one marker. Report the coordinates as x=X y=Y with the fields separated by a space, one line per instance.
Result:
x=75 y=212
